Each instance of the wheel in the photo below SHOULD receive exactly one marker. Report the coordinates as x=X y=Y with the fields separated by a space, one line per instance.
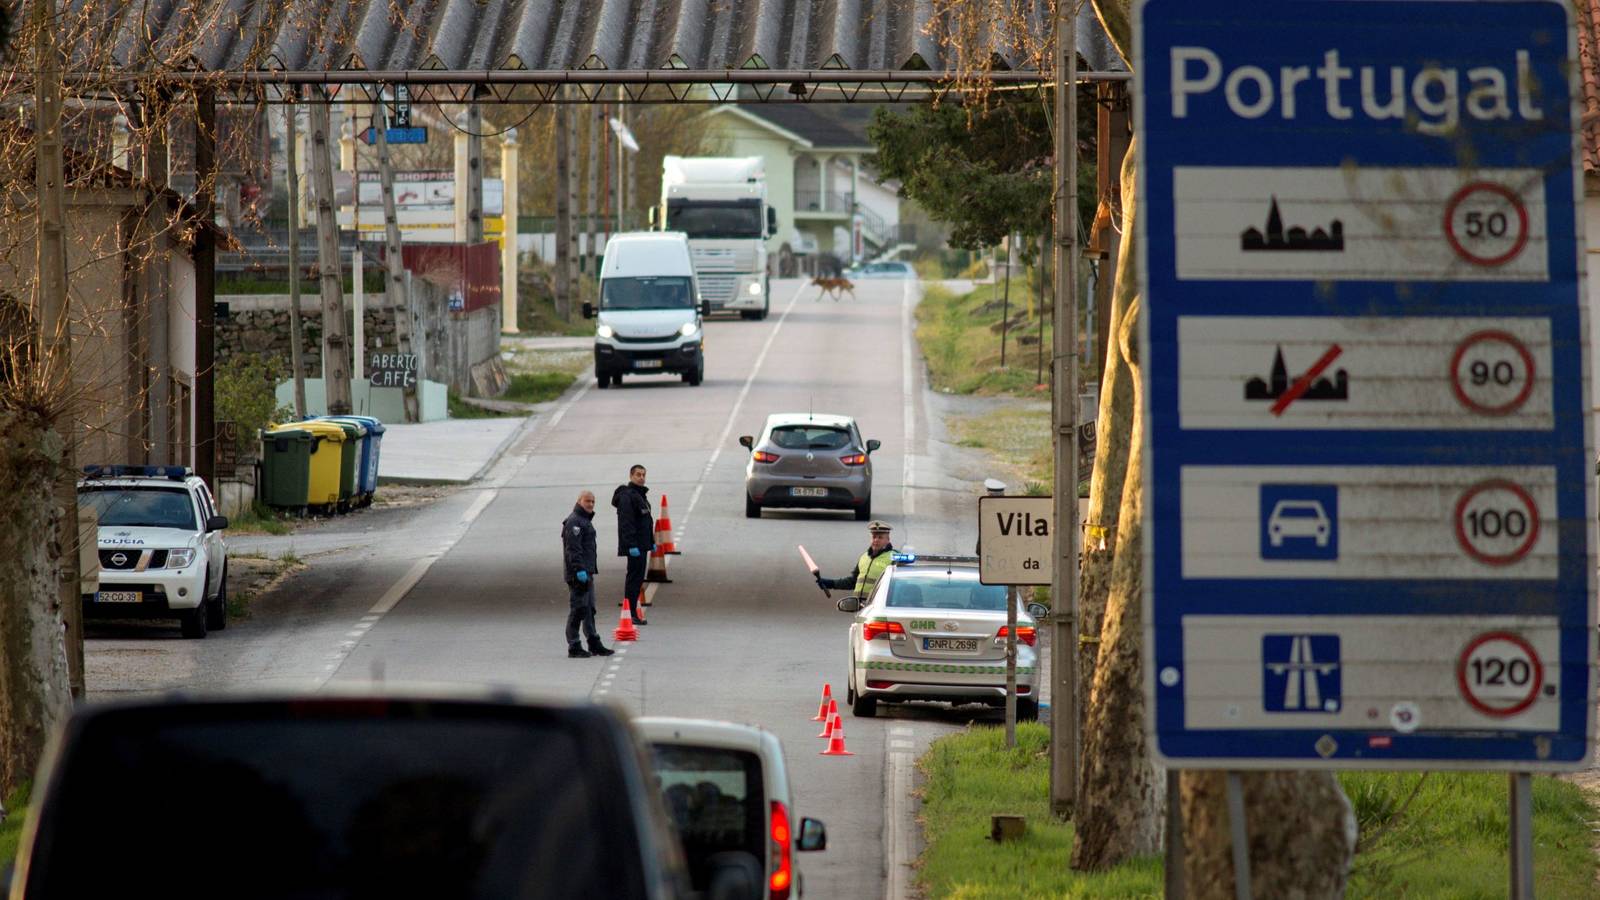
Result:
x=217 y=607
x=752 y=509
x=1027 y=710
x=698 y=375
x=602 y=380
x=193 y=622
x=750 y=313
x=865 y=512
x=862 y=707
x=617 y=379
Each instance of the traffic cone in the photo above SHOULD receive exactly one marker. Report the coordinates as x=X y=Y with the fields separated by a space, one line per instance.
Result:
x=626 y=631
x=822 y=709
x=830 y=720
x=664 y=546
x=836 y=742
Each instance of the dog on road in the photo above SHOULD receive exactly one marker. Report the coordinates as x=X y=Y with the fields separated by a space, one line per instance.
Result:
x=834 y=287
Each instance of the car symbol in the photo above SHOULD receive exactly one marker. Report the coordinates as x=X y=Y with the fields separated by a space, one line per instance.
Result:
x=950 y=626
x=1298 y=519
x=119 y=559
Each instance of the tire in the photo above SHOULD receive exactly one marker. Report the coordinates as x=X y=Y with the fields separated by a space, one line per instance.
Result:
x=602 y=380
x=217 y=607
x=865 y=512
x=698 y=375
x=862 y=707
x=193 y=622
x=750 y=314
x=752 y=509
x=1027 y=710
x=617 y=379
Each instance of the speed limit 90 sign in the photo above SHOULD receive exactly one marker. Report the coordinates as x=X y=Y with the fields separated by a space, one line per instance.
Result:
x=1492 y=372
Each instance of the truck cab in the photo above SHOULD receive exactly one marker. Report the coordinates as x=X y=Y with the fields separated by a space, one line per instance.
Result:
x=649 y=321
x=720 y=203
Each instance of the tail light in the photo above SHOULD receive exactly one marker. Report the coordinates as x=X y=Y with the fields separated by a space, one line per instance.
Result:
x=782 y=868
x=1025 y=635
x=891 y=630
x=860 y=459
x=763 y=456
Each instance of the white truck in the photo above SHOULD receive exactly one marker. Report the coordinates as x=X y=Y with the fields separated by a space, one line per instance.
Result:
x=721 y=204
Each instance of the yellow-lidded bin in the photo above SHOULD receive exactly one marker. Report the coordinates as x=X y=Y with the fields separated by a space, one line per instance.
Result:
x=328 y=463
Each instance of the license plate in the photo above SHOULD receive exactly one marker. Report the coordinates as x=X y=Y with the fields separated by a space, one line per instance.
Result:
x=118 y=597
x=808 y=492
x=647 y=364
x=968 y=645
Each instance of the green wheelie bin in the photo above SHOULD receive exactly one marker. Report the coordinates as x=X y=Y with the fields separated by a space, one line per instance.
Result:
x=286 y=453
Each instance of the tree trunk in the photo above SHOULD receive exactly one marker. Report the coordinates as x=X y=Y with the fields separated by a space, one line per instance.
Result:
x=34 y=690
x=336 y=356
x=1301 y=831
x=563 y=285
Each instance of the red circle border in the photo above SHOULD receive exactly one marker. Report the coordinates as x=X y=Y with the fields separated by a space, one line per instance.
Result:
x=1515 y=555
x=1474 y=702
x=1510 y=197
x=1505 y=337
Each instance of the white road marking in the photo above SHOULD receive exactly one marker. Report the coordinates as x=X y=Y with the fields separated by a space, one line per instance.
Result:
x=907 y=384
x=478 y=506
x=402 y=587
x=727 y=428
x=902 y=731
x=902 y=745
x=897 y=825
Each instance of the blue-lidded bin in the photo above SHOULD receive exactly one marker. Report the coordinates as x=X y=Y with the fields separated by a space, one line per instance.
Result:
x=367 y=480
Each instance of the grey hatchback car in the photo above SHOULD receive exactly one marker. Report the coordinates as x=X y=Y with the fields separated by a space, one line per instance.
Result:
x=808 y=460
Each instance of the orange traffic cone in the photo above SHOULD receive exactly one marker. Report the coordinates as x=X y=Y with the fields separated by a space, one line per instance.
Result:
x=822 y=710
x=626 y=631
x=836 y=741
x=664 y=546
x=830 y=719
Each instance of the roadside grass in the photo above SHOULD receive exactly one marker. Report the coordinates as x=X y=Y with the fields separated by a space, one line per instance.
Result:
x=263 y=571
x=1435 y=835
x=260 y=519
x=963 y=353
x=537 y=387
x=461 y=409
x=1019 y=439
x=11 y=829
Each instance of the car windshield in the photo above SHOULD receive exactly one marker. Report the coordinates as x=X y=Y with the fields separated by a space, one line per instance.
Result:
x=647 y=292
x=942 y=590
x=316 y=803
x=714 y=796
x=726 y=219
x=126 y=507
x=810 y=437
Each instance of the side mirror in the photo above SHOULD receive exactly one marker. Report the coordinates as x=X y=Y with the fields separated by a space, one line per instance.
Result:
x=873 y=445
x=1037 y=610
x=849 y=604
x=588 y=310
x=747 y=441
x=216 y=523
x=772 y=221
x=813 y=836
x=705 y=308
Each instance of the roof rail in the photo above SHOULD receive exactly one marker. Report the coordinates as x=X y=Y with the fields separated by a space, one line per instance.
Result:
x=173 y=473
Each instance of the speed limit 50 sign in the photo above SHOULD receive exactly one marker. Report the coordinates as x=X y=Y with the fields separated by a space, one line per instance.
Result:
x=1370 y=514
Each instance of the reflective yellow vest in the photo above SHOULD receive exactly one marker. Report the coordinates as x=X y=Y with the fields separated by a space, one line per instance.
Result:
x=870 y=568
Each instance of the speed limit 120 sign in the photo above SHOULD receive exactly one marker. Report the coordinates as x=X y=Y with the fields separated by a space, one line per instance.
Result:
x=1369 y=516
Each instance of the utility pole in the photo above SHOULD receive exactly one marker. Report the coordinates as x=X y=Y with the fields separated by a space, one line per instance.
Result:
x=591 y=199
x=395 y=284
x=336 y=359
x=574 y=281
x=509 y=164
x=563 y=284
x=55 y=339
x=474 y=173
x=1064 y=725
x=296 y=336
x=205 y=287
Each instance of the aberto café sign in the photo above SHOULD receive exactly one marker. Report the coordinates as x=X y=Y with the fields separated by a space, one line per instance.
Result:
x=393 y=369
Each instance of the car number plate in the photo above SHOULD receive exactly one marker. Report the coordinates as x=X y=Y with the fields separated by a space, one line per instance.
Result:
x=118 y=597
x=647 y=364
x=808 y=492
x=967 y=644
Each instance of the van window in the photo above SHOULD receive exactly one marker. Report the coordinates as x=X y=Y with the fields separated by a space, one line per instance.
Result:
x=715 y=797
x=647 y=292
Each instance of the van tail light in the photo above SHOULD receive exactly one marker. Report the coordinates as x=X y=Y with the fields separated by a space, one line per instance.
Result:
x=891 y=630
x=859 y=459
x=1025 y=635
x=763 y=456
x=782 y=868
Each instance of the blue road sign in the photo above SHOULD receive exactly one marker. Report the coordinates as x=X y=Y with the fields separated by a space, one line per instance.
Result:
x=417 y=134
x=1365 y=368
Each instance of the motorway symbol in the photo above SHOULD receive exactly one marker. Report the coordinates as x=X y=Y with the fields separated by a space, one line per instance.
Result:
x=1486 y=224
x=1497 y=522
x=1295 y=238
x=1300 y=673
x=1499 y=674
x=1492 y=373
x=1307 y=387
x=1299 y=521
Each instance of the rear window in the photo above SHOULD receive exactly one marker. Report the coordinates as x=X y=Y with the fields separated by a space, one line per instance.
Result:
x=715 y=797
x=937 y=590
x=810 y=437
x=141 y=507
x=345 y=807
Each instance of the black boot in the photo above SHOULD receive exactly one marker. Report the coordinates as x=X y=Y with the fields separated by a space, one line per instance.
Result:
x=597 y=649
x=577 y=653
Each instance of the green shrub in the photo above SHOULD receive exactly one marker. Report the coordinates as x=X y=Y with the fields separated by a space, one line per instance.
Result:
x=245 y=395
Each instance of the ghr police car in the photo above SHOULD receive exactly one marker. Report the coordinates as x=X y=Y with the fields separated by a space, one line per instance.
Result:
x=161 y=549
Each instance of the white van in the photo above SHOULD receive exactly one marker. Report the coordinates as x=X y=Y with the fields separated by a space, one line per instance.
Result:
x=650 y=310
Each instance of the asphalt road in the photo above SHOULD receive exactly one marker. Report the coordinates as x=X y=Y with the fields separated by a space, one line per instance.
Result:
x=468 y=590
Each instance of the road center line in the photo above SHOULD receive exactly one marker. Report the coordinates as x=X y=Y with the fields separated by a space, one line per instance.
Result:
x=907 y=384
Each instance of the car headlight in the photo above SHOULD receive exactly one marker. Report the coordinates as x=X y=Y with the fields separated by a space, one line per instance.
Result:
x=688 y=329
x=605 y=331
x=755 y=288
x=177 y=559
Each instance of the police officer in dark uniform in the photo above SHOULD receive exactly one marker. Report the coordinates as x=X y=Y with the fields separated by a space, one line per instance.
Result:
x=869 y=568
x=636 y=535
x=579 y=564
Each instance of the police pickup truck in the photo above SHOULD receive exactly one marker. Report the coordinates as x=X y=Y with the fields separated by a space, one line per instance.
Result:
x=161 y=550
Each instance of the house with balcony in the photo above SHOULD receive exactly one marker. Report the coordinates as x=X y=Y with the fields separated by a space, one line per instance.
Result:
x=831 y=209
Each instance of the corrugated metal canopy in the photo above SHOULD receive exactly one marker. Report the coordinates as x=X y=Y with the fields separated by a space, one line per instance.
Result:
x=479 y=42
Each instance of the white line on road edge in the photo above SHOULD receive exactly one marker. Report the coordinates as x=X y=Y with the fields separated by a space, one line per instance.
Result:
x=727 y=428
x=404 y=585
x=908 y=382
x=896 y=830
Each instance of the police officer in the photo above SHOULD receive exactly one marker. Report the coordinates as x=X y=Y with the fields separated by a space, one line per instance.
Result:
x=579 y=566
x=869 y=568
x=636 y=535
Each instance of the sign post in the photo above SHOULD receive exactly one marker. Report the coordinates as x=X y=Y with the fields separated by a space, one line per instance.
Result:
x=1015 y=548
x=1371 y=524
